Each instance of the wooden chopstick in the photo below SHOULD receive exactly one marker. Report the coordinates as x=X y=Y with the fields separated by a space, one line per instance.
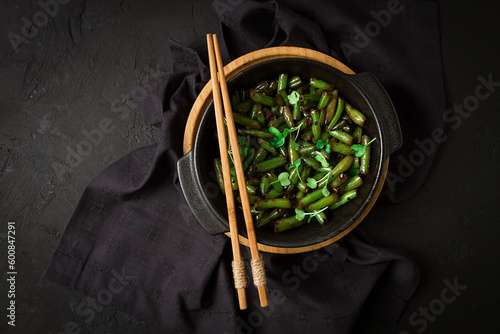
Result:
x=231 y=210
x=258 y=271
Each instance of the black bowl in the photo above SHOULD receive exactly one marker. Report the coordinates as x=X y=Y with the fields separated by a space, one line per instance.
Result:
x=362 y=90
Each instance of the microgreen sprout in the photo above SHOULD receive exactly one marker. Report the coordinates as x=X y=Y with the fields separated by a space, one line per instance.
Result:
x=312 y=183
x=283 y=179
x=279 y=137
x=294 y=97
x=296 y=165
x=320 y=144
x=360 y=150
x=322 y=160
x=300 y=214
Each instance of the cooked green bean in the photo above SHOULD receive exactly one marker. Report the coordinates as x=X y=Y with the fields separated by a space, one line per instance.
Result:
x=323 y=101
x=294 y=82
x=262 y=98
x=349 y=196
x=244 y=106
x=255 y=133
x=338 y=112
x=341 y=148
x=264 y=185
x=267 y=146
x=284 y=224
x=364 y=163
x=275 y=214
x=356 y=116
x=342 y=136
x=317 y=83
x=353 y=183
x=323 y=202
x=282 y=82
x=316 y=126
x=218 y=174
x=273 y=163
x=245 y=121
x=264 y=204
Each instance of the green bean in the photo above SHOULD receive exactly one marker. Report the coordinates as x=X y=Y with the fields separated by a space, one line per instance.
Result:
x=331 y=106
x=294 y=82
x=338 y=180
x=252 y=199
x=306 y=148
x=310 y=198
x=262 y=98
x=275 y=214
x=338 y=113
x=255 y=133
x=270 y=164
x=317 y=83
x=251 y=190
x=259 y=116
x=260 y=155
x=349 y=196
x=264 y=185
x=300 y=194
x=267 y=145
x=273 y=193
x=323 y=101
x=341 y=148
x=305 y=123
x=273 y=85
x=245 y=121
x=292 y=153
x=364 y=164
x=310 y=97
x=234 y=182
x=283 y=151
x=323 y=202
x=287 y=114
x=249 y=158
x=279 y=100
x=321 y=217
x=311 y=162
x=254 y=181
x=353 y=183
x=302 y=186
x=218 y=174
x=357 y=133
x=357 y=116
x=264 y=204
x=316 y=127
x=282 y=82
x=275 y=123
x=244 y=106
x=296 y=111
x=342 y=136
x=285 y=224
x=322 y=116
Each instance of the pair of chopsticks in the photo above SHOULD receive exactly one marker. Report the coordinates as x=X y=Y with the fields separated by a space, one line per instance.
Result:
x=219 y=85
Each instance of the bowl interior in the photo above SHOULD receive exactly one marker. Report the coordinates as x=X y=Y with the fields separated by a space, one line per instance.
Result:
x=206 y=149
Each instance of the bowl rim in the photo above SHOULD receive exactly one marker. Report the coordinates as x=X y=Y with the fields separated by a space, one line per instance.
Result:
x=233 y=68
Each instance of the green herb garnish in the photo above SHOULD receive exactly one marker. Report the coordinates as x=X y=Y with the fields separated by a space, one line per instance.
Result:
x=360 y=150
x=300 y=214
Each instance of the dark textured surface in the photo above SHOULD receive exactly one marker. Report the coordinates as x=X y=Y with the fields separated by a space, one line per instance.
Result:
x=78 y=70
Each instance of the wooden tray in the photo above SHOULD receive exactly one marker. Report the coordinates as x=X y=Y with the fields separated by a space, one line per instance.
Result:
x=205 y=96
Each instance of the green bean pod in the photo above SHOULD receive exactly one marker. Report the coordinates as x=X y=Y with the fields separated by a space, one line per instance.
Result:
x=264 y=204
x=287 y=114
x=244 y=106
x=255 y=133
x=364 y=163
x=292 y=153
x=294 y=82
x=246 y=121
x=265 y=184
x=316 y=127
x=357 y=116
x=353 y=183
x=311 y=162
x=323 y=202
x=251 y=190
x=338 y=180
x=310 y=198
x=267 y=165
x=267 y=146
x=235 y=99
x=323 y=101
x=282 y=82
x=275 y=123
x=338 y=113
x=342 y=136
x=331 y=106
x=288 y=223
x=341 y=148
x=349 y=196
x=274 y=182
x=249 y=158
x=357 y=133
x=317 y=83
x=260 y=155
x=262 y=99
x=275 y=214
x=273 y=193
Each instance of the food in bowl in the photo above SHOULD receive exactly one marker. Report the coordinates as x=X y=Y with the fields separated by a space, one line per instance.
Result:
x=304 y=150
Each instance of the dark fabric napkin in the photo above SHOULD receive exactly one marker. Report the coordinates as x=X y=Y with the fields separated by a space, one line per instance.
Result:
x=132 y=241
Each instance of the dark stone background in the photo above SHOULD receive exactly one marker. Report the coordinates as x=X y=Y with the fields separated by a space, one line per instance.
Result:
x=78 y=70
